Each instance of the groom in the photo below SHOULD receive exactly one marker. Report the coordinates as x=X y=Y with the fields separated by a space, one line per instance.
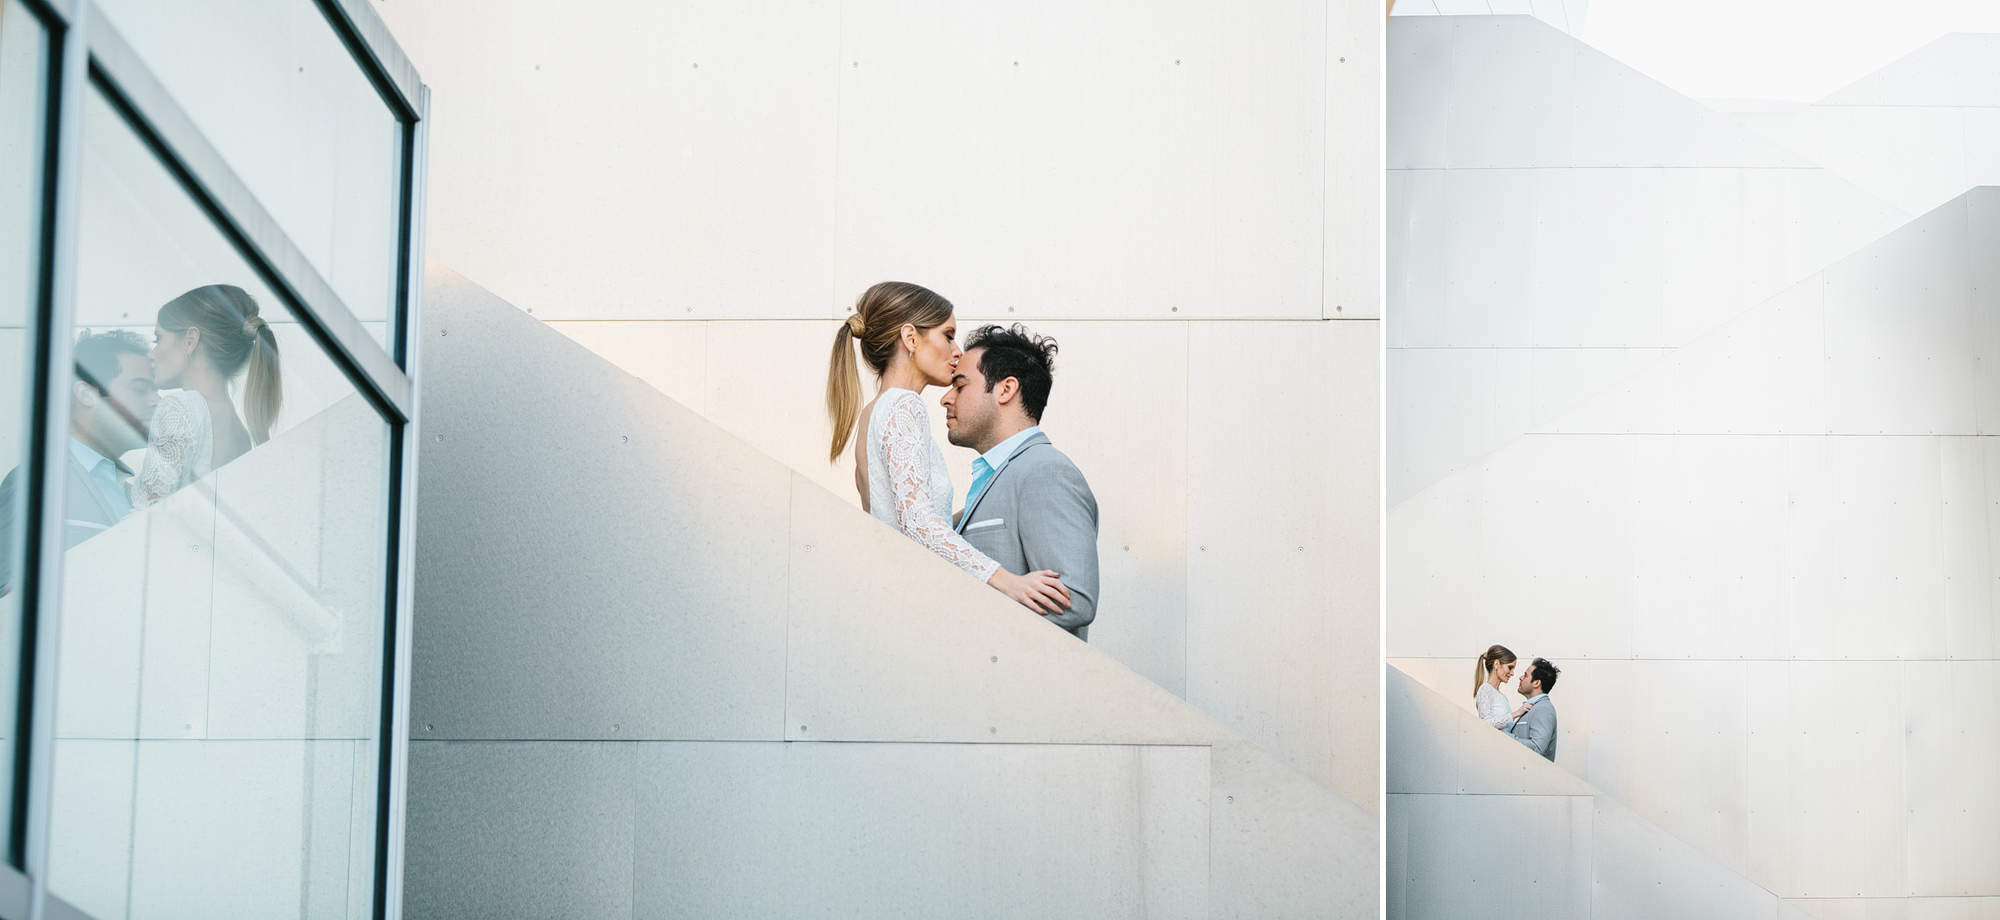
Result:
x=1536 y=728
x=1028 y=508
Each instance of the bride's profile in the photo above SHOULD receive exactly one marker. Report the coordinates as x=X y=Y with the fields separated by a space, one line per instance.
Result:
x=1494 y=669
x=201 y=341
x=907 y=335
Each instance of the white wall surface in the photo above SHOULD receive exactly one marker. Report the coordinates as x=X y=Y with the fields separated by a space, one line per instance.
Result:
x=1916 y=133
x=1558 y=220
x=729 y=692
x=1181 y=194
x=1477 y=820
x=1567 y=15
x=1765 y=567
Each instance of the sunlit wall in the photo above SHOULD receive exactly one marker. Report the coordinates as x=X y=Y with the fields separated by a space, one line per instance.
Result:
x=1184 y=195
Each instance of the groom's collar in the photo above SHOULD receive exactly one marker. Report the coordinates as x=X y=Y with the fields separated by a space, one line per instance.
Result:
x=1538 y=696
x=1005 y=450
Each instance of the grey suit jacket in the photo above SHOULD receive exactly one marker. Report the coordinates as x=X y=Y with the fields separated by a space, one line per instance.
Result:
x=1037 y=513
x=89 y=514
x=1537 y=729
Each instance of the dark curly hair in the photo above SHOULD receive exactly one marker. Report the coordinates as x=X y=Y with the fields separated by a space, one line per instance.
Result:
x=1015 y=352
x=1546 y=673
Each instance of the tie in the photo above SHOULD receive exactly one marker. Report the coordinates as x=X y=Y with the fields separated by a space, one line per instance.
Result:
x=980 y=473
x=106 y=474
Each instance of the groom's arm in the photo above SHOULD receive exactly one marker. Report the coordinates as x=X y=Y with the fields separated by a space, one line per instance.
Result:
x=1057 y=523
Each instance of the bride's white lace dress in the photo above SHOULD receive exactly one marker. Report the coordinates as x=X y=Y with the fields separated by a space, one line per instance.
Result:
x=179 y=448
x=908 y=486
x=1493 y=708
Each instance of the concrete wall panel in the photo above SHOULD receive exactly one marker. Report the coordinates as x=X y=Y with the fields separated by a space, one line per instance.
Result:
x=992 y=670
x=90 y=853
x=1324 y=864
x=1353 y=138
x=179 y=579
x=1091 y=218
x=1625 y=119
x=1918 y=132
x=1458 y=863
x=1453 y=853
x=254 y=806
x=1555 y=228
x=715 y=198
x=1912 y=374
x=909 y=830
x=1286 y=528
x=1954 y=70
x=1419 y=73
x=1015 y=218
x=723 y=672
x=535 y=829
x=103 y=625
x=1951 y=752
x=1512 y=92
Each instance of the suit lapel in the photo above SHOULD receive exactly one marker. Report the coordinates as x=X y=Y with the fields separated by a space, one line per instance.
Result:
x=972 y=502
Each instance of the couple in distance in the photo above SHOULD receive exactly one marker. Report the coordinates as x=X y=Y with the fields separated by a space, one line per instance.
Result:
x=1028 y=526
x=1533 y=723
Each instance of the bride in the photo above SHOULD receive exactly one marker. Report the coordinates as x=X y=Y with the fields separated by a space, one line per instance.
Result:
x=906 y=334
x=1488 y=676
x=201 y=341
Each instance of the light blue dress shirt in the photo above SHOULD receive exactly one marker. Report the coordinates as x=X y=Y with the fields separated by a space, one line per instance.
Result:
x=103 y=475
x=991 y=462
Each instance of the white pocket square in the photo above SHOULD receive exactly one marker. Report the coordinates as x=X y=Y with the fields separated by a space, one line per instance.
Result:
x=990 y=522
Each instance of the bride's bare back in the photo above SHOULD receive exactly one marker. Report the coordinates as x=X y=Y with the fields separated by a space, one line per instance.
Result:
x=860 y=442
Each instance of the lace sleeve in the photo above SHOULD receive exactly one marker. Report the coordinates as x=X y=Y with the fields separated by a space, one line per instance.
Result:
x=908 y=464
x=1493 y=708
x=169 y=452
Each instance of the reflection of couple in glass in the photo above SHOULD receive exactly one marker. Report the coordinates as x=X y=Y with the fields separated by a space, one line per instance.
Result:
x=203 y=339
x=1029 y=524
x=1533 y=723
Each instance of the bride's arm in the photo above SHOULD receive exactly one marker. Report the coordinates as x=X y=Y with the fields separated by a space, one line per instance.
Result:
x=908 y=463
x=168 y=451
x=909 y=482
x=1493 y=708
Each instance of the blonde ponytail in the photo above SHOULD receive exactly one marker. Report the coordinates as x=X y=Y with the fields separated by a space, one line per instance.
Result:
x=263 y=388
x=875 y=325
x=843 y=387
x=234 y=335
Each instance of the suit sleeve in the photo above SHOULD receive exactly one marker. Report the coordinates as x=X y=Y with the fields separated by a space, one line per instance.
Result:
x=1058 y=528
x=1541 y=731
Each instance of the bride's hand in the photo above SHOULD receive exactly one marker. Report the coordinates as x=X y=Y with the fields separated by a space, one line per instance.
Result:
x=1523 y=710
x=1042 y=592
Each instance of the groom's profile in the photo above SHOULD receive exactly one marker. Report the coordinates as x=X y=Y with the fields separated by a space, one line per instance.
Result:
x=1029 y=507
x=1536 y=728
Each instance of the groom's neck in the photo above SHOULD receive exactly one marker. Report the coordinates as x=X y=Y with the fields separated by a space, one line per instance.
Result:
x=1004 y=429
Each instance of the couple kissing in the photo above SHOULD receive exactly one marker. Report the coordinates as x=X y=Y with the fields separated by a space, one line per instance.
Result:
x=1028 y=526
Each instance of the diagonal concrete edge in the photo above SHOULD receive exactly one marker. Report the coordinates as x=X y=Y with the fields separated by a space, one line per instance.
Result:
x=598 y=563
x=1453 y=781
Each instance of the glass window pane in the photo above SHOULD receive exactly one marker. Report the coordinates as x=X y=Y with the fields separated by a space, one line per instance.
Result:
x=219 y=690
x=24 y=62
x=272 y=87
